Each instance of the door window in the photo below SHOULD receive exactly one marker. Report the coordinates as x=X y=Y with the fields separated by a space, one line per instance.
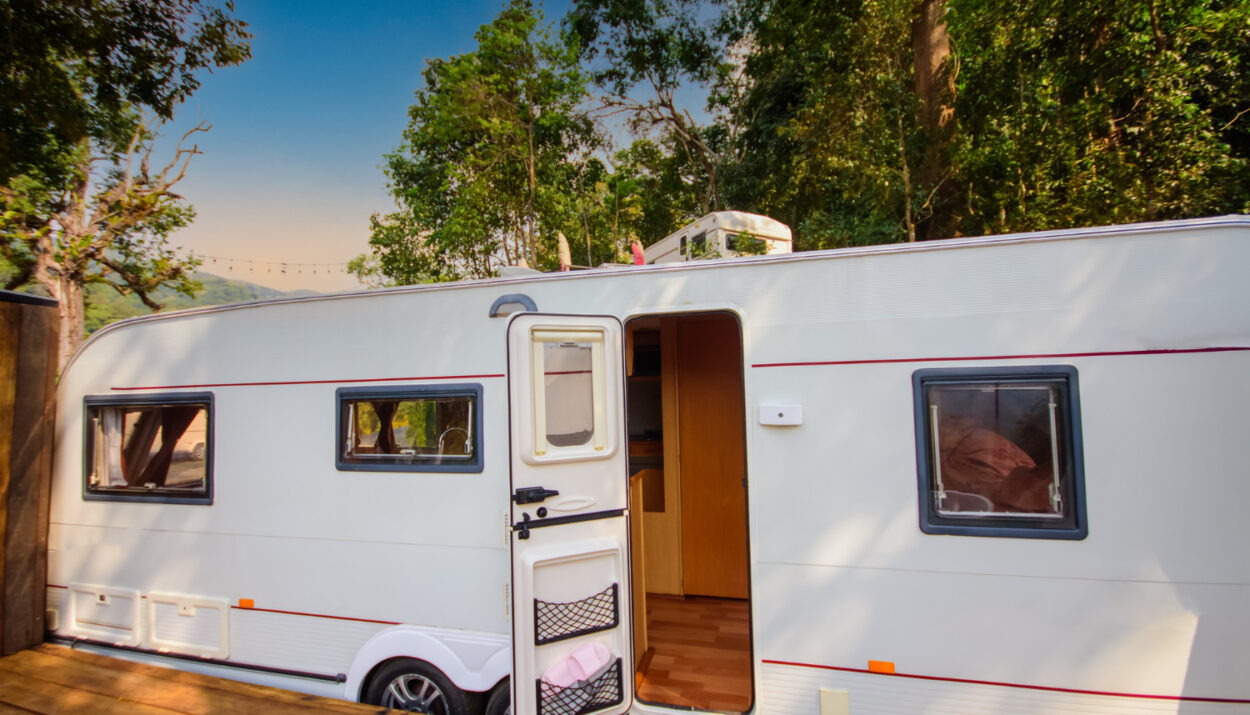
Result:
x=569 y=394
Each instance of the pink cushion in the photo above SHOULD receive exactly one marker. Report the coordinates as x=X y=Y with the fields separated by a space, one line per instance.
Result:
x=579 y=665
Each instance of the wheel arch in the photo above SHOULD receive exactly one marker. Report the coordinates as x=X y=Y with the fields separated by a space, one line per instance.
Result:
x=473 y=662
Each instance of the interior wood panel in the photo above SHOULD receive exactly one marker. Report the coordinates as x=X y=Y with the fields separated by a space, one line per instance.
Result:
x=713 y=496
x=663 y=529
x=638 y=579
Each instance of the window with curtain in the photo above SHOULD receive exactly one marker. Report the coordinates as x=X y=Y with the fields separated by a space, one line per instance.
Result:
x=149 y=448
x=410 y=429
x=999 y=452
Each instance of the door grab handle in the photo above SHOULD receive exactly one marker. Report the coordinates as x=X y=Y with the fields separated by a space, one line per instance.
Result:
x=533 y=495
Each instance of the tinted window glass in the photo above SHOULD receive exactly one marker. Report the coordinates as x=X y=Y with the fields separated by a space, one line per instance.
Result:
x=569 y=393
x=998 y=449
x=413 y=429
x=150 y=448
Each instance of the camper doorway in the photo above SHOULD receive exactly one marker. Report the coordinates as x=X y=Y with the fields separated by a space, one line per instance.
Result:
x=688 y=507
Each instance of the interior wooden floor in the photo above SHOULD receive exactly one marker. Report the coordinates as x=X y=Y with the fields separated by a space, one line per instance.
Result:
x=700 y=653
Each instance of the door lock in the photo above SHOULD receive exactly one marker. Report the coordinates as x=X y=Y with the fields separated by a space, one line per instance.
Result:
x=533 y=495
x=523 y=527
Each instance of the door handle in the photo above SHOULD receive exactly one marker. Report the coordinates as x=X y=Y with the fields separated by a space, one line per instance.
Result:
x=533 y=495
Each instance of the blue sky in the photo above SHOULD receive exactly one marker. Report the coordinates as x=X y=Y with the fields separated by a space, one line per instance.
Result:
x=291 y=169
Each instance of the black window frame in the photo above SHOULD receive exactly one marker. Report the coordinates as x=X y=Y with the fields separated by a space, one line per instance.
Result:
x=1074 y=525
x=342 y=395
x=115 y=494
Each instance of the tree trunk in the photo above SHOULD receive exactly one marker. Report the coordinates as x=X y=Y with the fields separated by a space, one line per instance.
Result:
x=935 y=87
x=73 y=322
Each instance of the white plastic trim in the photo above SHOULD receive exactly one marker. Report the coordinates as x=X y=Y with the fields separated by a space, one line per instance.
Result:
x=438 y=647
x=122 y=625
x=188 y=607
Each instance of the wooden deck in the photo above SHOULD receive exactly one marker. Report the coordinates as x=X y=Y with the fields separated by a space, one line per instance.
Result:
x=56 y=679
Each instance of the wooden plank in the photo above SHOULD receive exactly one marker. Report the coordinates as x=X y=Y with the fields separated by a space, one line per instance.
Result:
x=713 y=497
x=30 y=484
x=10 y=340
x=159 y=680
x=135 y=682
x=44 y=697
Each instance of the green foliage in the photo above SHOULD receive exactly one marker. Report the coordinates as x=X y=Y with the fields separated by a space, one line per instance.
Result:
x=74 y=69
x=658 y=42
x=835 y=131
x=854 y=122
x=1065 y=113
x=105 y=305
x=642 y=54
x=495 y=160
x=650 y=196
x=419 y=420
x=80 y=202
x=1077 y=113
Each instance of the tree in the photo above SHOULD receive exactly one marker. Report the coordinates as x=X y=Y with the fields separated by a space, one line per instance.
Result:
x=107 y=228
x=71 y=69
x=80 y=201
x=492 y=159
x=651 y=192
x=1078 y=113
x=844 y=105
x=869 y=122
x=645 y=53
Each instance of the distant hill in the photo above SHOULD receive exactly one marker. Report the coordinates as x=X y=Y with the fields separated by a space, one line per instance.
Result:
x=105 y=306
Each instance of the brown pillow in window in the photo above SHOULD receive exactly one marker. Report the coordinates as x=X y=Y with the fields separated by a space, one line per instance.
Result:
x=977 y=460
x=1026 y=490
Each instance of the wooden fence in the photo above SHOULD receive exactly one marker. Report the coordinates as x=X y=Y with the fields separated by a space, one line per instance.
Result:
x=28 y=350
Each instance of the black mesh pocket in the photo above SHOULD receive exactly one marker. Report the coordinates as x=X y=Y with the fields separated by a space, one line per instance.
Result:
x=601 y=691
x=557 y=621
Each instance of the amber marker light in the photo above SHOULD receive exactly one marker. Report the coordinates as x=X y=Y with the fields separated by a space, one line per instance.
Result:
x=881 y=666
x=249 y=603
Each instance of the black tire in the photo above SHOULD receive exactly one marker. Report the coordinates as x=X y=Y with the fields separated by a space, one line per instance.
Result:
x=198 y=452
x=500 y=702
x=415 y=686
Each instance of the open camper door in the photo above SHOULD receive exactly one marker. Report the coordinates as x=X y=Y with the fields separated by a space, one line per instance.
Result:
x=571 y=633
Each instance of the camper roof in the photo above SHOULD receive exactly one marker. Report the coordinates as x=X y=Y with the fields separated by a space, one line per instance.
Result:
x=851 y=252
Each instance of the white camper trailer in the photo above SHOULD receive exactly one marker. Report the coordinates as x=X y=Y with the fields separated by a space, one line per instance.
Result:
x=721 y=234
x=977 y=476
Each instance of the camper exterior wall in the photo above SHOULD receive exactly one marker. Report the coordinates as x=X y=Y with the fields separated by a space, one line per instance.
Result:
x=1155 y=319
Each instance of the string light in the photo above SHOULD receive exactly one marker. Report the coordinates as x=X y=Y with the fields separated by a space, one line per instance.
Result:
x=252 y=265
